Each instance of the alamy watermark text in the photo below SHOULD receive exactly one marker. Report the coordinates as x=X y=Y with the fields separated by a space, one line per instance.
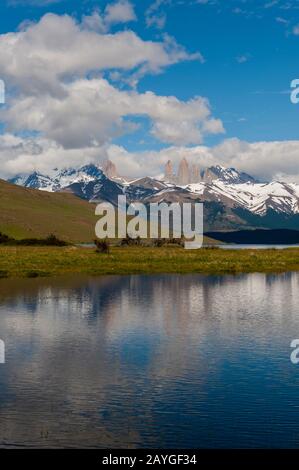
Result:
x=151 y=221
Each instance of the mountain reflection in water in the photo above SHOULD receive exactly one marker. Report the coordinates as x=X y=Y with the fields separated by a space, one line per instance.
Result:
x=150 y=361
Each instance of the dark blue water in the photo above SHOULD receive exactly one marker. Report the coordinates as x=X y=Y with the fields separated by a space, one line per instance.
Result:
x=248 y=246
x=150 y=361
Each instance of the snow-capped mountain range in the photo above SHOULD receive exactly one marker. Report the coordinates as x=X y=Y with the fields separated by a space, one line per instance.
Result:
x=232 y=199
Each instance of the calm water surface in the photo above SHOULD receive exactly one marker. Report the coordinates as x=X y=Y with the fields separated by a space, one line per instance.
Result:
x=239 y=246
x=150 y=361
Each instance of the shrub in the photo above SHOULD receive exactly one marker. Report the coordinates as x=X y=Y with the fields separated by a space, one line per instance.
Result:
x=102 y=246
x=51 y=240
x=175 y=241
x=32 y=274
x=128 y=241
x=159 y=242
x=35 y=274
x=4 y=238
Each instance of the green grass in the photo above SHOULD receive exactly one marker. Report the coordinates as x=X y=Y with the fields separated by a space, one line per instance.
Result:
x=29 y=213
x=51 y=261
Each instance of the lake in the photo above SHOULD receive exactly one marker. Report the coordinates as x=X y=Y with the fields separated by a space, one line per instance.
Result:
x=167 y=361
x=247 y=246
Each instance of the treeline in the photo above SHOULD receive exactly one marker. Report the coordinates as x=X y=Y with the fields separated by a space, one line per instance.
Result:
x=51 y=240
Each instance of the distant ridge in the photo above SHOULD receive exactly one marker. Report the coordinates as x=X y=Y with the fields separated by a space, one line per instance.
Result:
x=233 y=200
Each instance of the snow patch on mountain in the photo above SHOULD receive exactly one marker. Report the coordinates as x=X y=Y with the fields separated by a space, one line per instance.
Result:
x=227 y=186
x=255 y=197
x=230 y=175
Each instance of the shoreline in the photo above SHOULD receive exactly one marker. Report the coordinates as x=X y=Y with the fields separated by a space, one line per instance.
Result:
x=34 y=262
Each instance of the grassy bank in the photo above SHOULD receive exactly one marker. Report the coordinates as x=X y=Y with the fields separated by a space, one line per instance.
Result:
x=52 y=261
x=30 y=213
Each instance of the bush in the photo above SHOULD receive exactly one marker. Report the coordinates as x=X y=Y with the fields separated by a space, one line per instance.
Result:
x=35 y=274
x=32 y=274
x=128 y=241
x=4 y=238
x=175 y=241
x=159 y=242
x=102 y=246
x=51 y=240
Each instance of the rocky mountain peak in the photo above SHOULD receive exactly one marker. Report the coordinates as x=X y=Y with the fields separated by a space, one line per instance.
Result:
x=191 y=174
x=109 y=169
x=231 y=198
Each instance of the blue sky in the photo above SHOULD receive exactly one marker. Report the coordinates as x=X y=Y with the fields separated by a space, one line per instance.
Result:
x=247 y=57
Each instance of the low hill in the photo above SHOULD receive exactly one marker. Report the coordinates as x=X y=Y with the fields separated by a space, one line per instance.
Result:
x=31 y=213
x=28 y=213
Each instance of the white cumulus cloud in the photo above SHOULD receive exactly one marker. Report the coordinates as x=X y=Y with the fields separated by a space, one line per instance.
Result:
x=264 y=160
x=55 y=71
